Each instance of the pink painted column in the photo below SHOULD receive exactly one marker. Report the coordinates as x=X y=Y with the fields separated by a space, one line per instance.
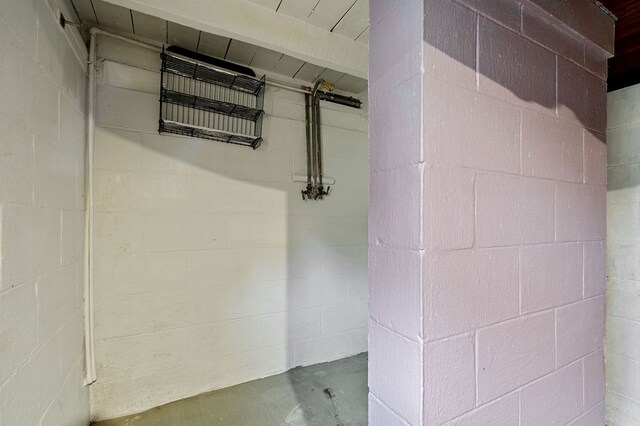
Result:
x=487 y=212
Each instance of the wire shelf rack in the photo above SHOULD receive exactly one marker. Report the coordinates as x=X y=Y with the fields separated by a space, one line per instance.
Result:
x=203 y=101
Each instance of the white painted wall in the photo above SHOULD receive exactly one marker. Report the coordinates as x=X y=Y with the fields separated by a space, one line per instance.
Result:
x=41 y=220
x=623 y=258
x=210 y=269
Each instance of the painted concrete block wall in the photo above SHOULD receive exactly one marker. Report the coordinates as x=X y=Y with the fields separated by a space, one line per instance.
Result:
x=41 y=220
x=211 y=270
x=487 y=204
x=623 y=257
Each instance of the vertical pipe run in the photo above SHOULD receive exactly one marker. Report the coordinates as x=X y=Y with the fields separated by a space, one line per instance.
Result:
x=318 y=190
x=307 y=106
x=89 y=234
x=318 y=143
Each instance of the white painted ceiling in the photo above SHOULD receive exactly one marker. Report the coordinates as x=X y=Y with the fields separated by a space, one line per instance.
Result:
x=346 y=17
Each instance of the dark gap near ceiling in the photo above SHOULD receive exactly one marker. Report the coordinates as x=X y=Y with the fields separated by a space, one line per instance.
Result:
x=363 y=31
x=75 y=11
x=313 y=9
x=198 y=42
x=133 y=25
x=624 y=67
x=226 y=52
x=343 y=15
x=94 y=12
x=296 y=73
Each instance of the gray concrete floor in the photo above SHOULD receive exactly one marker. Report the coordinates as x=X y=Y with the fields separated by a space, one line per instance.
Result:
x=333 y=393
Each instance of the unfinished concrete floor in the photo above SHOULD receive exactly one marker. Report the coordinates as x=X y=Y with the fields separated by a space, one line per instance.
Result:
x=332 y=393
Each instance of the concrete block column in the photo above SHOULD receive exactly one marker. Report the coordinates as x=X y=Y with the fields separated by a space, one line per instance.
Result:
x=487 y=212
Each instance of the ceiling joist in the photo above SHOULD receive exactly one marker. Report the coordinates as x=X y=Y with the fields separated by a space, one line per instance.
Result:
x=261 y=26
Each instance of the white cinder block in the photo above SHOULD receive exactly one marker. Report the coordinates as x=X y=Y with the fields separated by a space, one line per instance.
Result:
x=622 y=144
x=313 y=231
x=622 y=261
x=595 y=268
x=449 y=378
x=395 y=372
x=125 y=272
x=51 y=48
x=395 y=289
x=197 y=156
x=284 y=134
x=623 y=376
x=118 y=232
x=344 y=143
x=18 y=327
x=56 y=300
x=286 y=263
x=74 y=89
x=594 y=383
x=358 y=340
x=514 y=353
x=273 y=199
x=357 y=230
x=321 y=349
x=344 y=317
x=379 y=414
x=287 y=110
x=128 y=77
x=16 y=162
x=504 y=411
x=116 y=191
x=18 y=111
x=21 y=19
x=579 y=329
x=159 y=154
x=127 y=109
x=317 y=291
x=205 y=267
x=167 y=231
x=621 y=410
x=55 y=177
x=119 y=150
x=210 y=341
x=71 y=235
x=348 y=260
x=623 y=336
x=550 y=275
x=559 y=393
x=24 y=398
x=358 y=287
x=61 y=412
x=342 y=117
x=73 y=136
x=246 y=231
x=470 y=289
x=623 y=108
x=261 y=166
x=621 y=299
x=30 y=243
x=291 y=326
x=594 y=416
x=135 y=356
x=125 y=53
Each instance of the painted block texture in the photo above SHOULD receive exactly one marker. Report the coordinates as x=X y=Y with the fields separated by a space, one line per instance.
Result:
x=212 y=270
x=42 y=150
x=506 y=175
x=623 y=258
